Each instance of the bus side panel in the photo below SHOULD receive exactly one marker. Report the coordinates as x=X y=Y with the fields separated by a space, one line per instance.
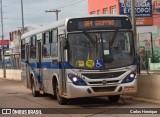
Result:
x=47 y=79
x=25 y=74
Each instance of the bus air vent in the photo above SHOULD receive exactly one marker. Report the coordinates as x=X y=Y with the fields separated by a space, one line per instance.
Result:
x=103 y=75
x=104 y=89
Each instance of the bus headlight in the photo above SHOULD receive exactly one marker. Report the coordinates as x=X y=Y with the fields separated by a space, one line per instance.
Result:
x=129 y=78
x=76 y=80
x=132 y=75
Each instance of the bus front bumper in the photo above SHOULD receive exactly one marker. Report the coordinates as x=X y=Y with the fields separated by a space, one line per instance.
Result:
x=74 y=91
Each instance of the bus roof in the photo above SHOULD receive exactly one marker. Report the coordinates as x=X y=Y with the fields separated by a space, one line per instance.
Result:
x=61 y=23
x=44 y=28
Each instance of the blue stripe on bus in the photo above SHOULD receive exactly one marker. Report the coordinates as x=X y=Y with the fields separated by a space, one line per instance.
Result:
x=49 y=65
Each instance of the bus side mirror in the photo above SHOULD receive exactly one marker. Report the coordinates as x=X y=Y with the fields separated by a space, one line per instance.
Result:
x=66 y=45
x=66 y=55
x=66 y=48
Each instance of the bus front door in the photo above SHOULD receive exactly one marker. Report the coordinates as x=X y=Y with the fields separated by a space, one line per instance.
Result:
x=62 y=71
x=27 y=67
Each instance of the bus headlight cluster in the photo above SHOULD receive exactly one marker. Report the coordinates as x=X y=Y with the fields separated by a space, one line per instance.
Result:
x=129 y=78
x=76 y=80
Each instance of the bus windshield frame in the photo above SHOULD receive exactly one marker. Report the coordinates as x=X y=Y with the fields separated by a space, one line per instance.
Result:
x=104 y=55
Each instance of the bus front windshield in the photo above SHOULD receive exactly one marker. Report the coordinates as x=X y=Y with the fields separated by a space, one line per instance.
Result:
x=101 y=50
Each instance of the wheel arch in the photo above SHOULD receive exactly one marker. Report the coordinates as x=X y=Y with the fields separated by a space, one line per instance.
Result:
x=54 y=81
x=33 y=78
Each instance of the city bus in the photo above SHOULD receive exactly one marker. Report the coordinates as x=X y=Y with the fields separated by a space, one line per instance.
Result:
x=92 y=56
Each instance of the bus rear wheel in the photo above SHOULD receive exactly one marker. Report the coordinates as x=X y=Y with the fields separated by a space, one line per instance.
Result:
x=61 y=100
x=114 y=98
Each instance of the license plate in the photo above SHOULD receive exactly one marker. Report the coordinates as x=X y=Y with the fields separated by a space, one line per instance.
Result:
x=129 y=88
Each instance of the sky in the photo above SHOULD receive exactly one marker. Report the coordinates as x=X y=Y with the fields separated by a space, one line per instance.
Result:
x=35 y=15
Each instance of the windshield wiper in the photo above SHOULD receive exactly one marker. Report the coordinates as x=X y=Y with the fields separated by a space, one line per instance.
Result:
x=113 y=37
x=90 y=38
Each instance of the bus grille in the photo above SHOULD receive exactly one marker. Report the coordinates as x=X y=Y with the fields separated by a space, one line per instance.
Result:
x=100 y=82
x=104 y=89
x=104 y=75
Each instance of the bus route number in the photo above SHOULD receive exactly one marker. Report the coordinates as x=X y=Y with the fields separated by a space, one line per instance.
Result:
x=88 y=23
x=99 y=23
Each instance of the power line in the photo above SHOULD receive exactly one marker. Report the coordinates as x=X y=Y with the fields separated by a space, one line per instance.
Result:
x=10 y=18
x=57 y=10
x=42 y=16
x=67 y=3
x=38 y=17
x=70 y=4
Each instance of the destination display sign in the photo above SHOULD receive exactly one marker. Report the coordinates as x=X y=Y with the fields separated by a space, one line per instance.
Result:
x=98 y=23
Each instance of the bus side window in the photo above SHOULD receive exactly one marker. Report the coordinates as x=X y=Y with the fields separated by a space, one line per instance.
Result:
x=46 y=45
x=33 y=48
x=53 y=41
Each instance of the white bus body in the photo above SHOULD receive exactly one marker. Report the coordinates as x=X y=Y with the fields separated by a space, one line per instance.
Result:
x=80 y=57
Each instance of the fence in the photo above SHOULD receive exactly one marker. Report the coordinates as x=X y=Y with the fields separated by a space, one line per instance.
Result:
x=11 y=74
x=11 y=62
x=149 y=48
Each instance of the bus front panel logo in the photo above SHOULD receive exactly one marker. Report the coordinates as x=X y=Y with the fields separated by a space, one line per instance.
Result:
x=104 y=82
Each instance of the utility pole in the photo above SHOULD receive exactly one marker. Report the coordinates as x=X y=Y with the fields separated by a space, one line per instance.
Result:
x=3 y=56
x=22 y=16
x=56 y=11
x=134 y=22
x=135 y=34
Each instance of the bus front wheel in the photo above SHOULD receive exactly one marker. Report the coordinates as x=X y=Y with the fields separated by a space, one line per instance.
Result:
x=61 y=100
x=33 y=87
x=114 y=98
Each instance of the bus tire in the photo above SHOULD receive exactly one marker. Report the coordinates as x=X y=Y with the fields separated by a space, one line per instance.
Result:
x=54 y=82
x=33 y=87
x=61 y=100
x=114 y=98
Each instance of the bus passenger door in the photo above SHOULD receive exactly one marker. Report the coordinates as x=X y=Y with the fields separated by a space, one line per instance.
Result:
x=62 y=71
x=39 y=61
x=27 y=67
